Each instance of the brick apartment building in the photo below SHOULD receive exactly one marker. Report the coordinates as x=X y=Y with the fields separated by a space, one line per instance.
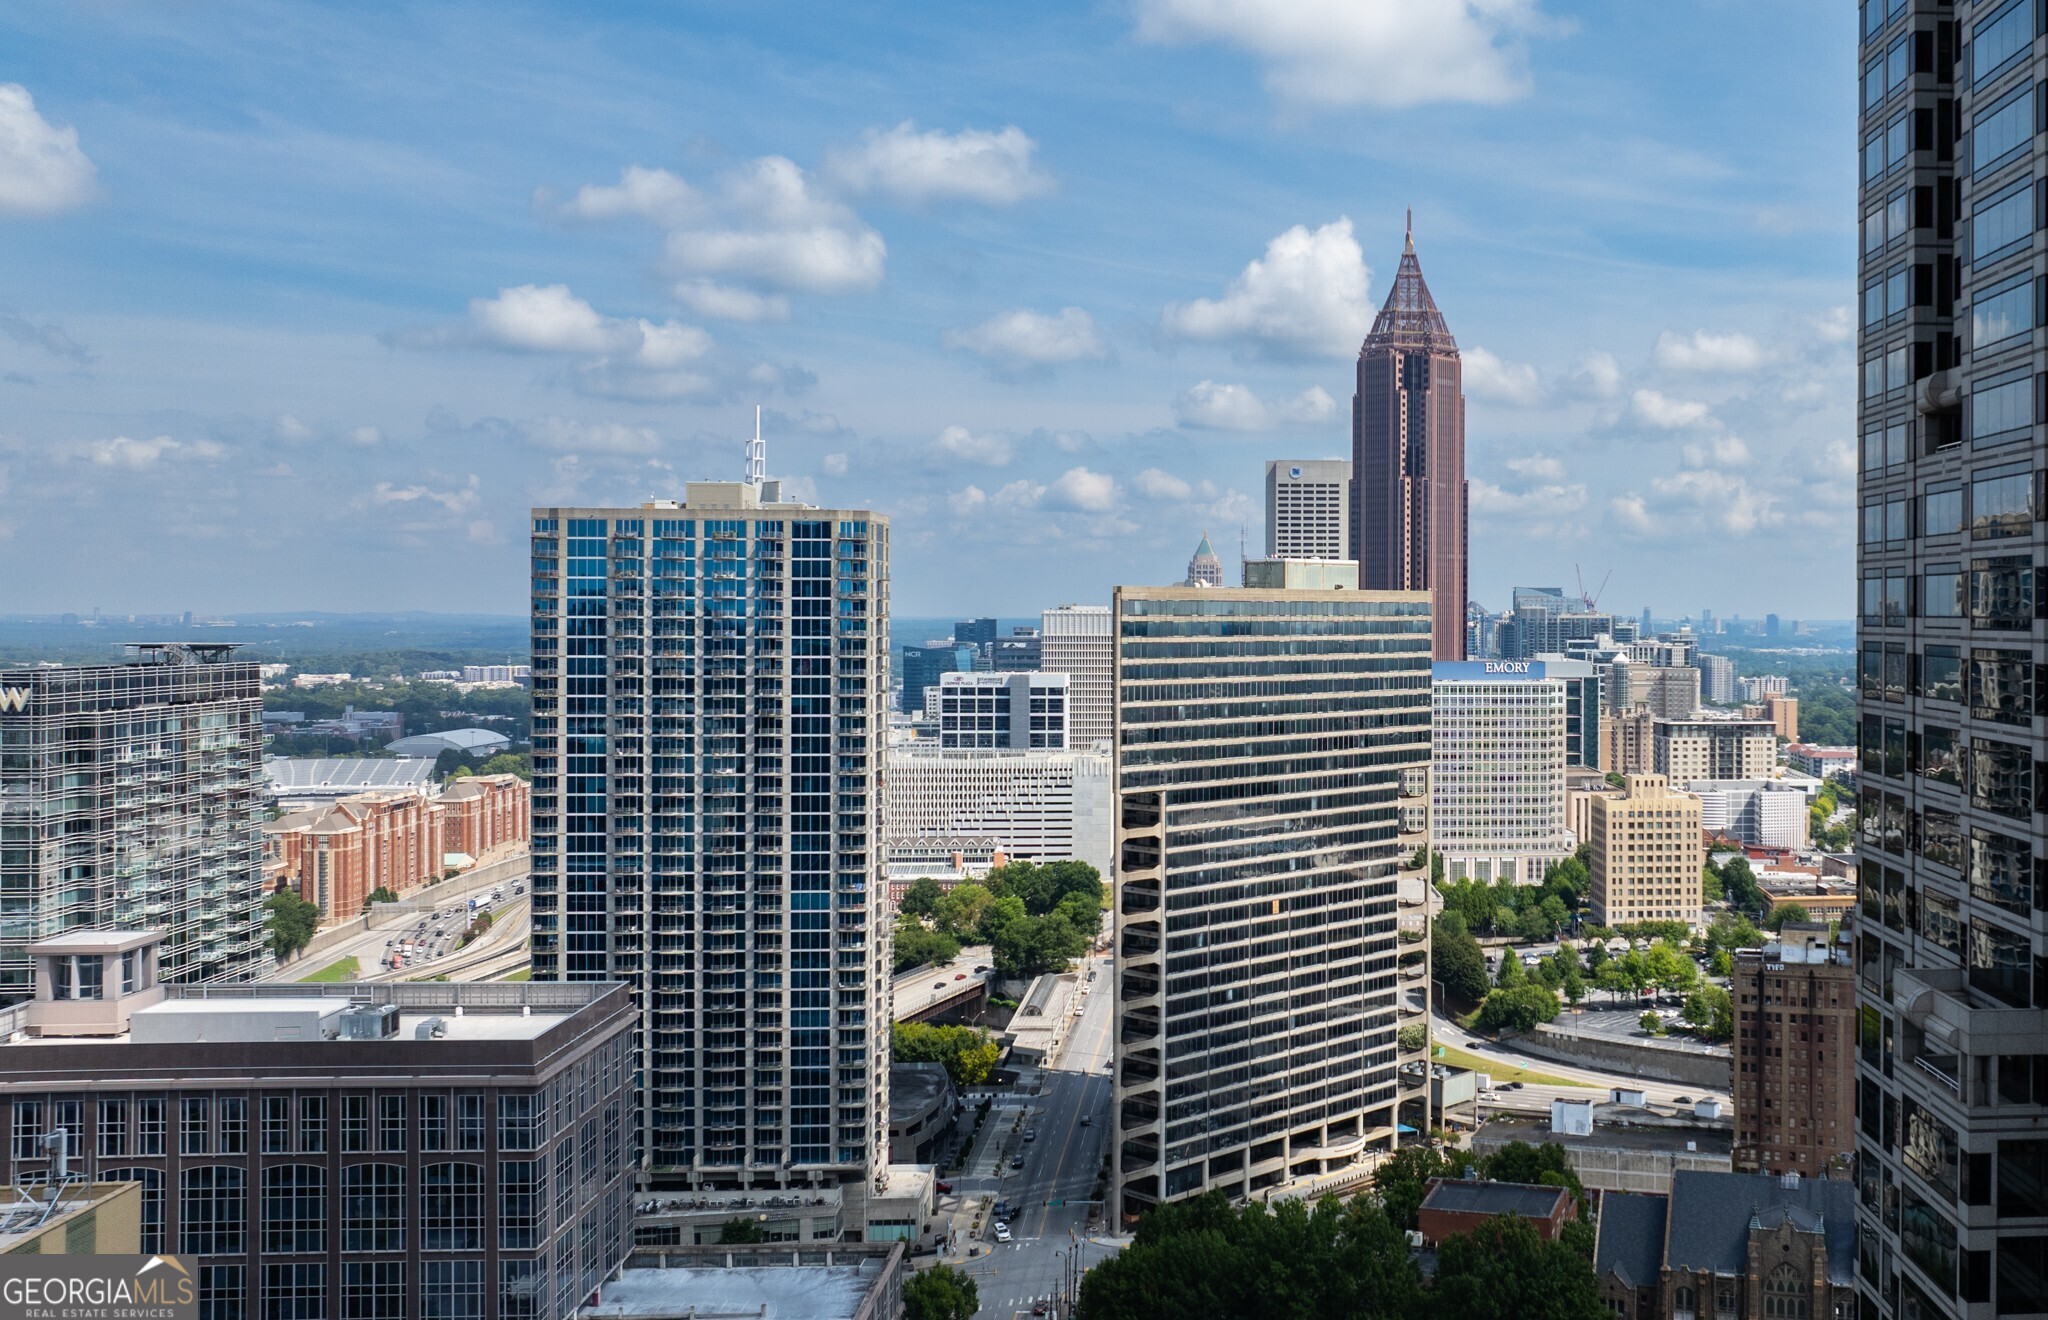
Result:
x=1795 y=1063
x=1459 y=1205
x=336 y=856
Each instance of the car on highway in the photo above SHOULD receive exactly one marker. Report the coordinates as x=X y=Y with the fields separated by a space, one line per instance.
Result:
x=959 y=976
x=1017 y=1161
x=1030 y=1134
x=938 y=985
x=1511 y=1086
x=1087 y=1120
x=943 y=1186
x=1002 y=1232
x=1682 y=1100
x=1038 y=1307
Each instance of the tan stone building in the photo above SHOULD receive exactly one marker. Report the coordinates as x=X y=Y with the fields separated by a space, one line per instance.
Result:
x=1685 y=751
x=1795 y=1065
x=1628 y=742
x=1782 y=712
x=1647 y=853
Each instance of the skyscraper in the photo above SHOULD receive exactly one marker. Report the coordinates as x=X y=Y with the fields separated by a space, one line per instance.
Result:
x=1204 y=568
x=923 y=666
x=1308 y=509
x=1795 y=1065
x=1263 y=741
x=1077 y=643
x=128 y=799
x=1497 y=776
x=1408 y=506
x=709 y=680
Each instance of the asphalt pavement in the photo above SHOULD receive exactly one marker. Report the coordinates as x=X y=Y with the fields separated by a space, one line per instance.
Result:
x=509 y=922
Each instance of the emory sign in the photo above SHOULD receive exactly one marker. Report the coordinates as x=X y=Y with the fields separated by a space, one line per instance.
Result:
x=1507 y=666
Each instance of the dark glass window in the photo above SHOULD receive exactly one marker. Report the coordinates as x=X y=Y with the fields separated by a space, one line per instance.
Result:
x=2022 y=1179
x=2001 y=223
x=2001 y=870
x=1999 y=39
x=1998 y=132
x=1939 y=759
x=2001 y=963
x=1941 y=837
x=2001 y=777
x=1942 y=592
x=1942 y=513
x=2002 y=592
x=2002 y=501
x=1941 y=673
x=2002 y=412
x=2001 y=686
x=2001 y=313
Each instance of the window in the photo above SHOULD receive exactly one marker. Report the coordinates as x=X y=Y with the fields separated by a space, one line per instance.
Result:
x=452 y=1207
x=523 y=1289
x=294 y=1209
x=232 y=1113
x=223 y=1292
x=2022 y=1275
x=2000 y=223
x=112 y=1129
x=391 y=1123
x=2002 y=592
x=195 y=1125
x=522 y=1204
x=373 y=1289
x=2022 y=1179
x=2001 y=871
x=1941 y=673
x=28 y=1129
x=2002 y=501
x=152 y=1180
x=1939 y=759
x=277 y=1124
x=1941 y=592
x=373 y=1207
x=1928 y=1238
x=433 y=1121
x=2002 y=313
x=2001 y=684
x=313 y=1124
x=1785 y=1294
x=1996 y=41
x=212 y=1210
x=355 y=1123
x=1928 y=1147
x=2001 y=778
x=295 y=1292
x=1942 y=511
x=515 y=1122
x=452 y=1289
x=1940 y=923
x=2000 y=131
x=2002 y=412
x=469 y=1121
x=2000 y=963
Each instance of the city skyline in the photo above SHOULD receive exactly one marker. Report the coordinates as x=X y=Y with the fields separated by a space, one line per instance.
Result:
x=277 y=318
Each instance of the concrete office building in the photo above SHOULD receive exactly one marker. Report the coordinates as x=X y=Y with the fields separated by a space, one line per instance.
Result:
x=1782 y=712
x=1646 y=853
x=414 y=1149
x=1672 y=692
x=924 y=666
x=1584 y=712
x=1497 y=770
x=1717 y=680
x=1015 y=712
x=1628 y=742
x=1039 y=806
x=1795 y=1055
x=1952 y=946
x=1757 y=813
x=1532 y=631
x=1023 y=651
x=1308 y=509
x=1077 y=644
x=710 y=679
x=1686 y=751
x=129 y=797
x=1759 y=686
x=1408 y=499
x=1257 y=831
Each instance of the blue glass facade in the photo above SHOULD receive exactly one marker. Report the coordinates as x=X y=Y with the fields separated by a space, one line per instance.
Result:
x=709 y=680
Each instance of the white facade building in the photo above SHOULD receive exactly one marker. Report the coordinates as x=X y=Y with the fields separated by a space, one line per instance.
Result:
x=1758 y=813
x=1764 y=685
x=1497 y=781
x=1717 y=680
x=1037 y=806
x=1016 y=712
x=1308 y=508
x=1076 y=642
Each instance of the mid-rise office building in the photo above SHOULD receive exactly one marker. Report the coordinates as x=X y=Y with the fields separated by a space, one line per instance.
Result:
x=1646 y=853
x=1021 y=652
x=413 y=1149
x=1669 y=650
x=1076 y=641
x=1795 y=1055
x=1756 y=813
x=129 y=797
x=1016 y=712
x=977 y=633
x=1584 y=708
x=1536 y=630
x=1497 y=770
x=1408 y=498
x=710 y=679
x=924 y=666
x=1628 y=742
x=1952 y=946
x=1263 y=742
x=1717 y=680
x=1685 y=751
x=1782 y=712
x=1671 y=692
x=1046 y=806
x=1308 y=509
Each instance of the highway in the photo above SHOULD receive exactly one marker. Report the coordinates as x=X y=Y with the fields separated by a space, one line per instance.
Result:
x=1059 y=1165
x=1536 y=1099
x=917 y=990
x=438 y=953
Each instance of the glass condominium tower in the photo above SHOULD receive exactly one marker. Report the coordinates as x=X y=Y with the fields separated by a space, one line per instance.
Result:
x=1952 y=981
x=1264 y=740
x=710 y=680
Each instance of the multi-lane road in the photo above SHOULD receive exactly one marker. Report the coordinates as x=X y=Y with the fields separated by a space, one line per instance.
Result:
x=435 y=932
x=1051 y=1195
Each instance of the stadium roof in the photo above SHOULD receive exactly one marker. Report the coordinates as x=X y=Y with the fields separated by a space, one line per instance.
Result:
x=461 y=740
x=355 y=773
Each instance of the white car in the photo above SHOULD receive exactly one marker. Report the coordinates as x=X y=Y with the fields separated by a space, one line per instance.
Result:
x=1002 y=1232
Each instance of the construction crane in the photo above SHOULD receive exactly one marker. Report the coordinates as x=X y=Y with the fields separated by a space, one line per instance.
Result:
x=1591 y=599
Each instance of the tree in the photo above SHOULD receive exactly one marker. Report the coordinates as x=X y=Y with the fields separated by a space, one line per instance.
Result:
x=1651 y=1023
x=1412 y=1037
x=1511 y=972
x=1403 y=1179
x=922 y=898
x=292 y=922
x=1456 y=959
x=1573 y=986
x=380 y=894
x=1711 y=887
x=968 y=1053
x=961 y=909
x=1518 y=1008
x=742 y=1230
x=1610 y=977
x=1721 y=963
x=1710 y=1012
x=1546 y=1165
x=1005 y=909
x=1615 y=779
x=508 y=763
x=1740 y=881
x=940 y=1293
x=1782 y=913
x=916 y=946
x=1504 y=1270
x=1670 y=968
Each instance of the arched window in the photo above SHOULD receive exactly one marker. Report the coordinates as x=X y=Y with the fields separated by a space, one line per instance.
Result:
x=1682 y=1301
x=294 y=1208
x=373 y=1208
x=1785 y=1294
x=213 y=1211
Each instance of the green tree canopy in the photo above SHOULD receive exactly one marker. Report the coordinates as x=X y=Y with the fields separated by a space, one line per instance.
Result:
x=917 y=946
x=292 y=922
x=961 y=909
x=940 y=1293
x=1517 y=1008
x=1456 y=959
x=1504 y=1270
x=1784 y=912
x=968 y=1053
x=922 y=898
x=741 y=1229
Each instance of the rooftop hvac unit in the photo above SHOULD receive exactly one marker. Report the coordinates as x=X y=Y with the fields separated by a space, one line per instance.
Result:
x=369 y=1021
x=432 y=1029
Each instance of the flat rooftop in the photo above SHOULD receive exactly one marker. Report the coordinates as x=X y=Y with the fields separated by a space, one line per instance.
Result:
x=763 y=1292
x=1611 y=1136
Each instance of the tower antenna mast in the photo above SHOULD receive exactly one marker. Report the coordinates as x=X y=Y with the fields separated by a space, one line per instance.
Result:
x=757 y=453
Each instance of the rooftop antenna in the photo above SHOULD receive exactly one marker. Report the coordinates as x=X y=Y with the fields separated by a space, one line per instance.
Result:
x=757 y=453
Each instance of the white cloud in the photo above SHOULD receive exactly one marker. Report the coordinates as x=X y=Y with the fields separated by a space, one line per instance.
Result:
x=723 y=302
x=1363 y=52
x=1598 y=376
x=1020 y=494
x=1633 y=513
x=1722 y=500
x=1539 y=467
x=592 y=437
x=1025 y=338
x=1156 y=484
x=654 y=195
x=834 y=465
x=459 y=500
x=1670 y=414
x=994 y=169
x=291 y=430
x=1707 y=352
x=961 y=443
x=365 y=436
x=1310 y=293
x=1837 y=325
x=1082 y=491
x=1214 y=406
x=1545 y=503
x=1487 y=377
x=139 y=455
x=543 y=319
x=42 y=171
x=965 y=502
x=1722 y=451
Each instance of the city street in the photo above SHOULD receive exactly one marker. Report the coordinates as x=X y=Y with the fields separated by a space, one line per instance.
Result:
x=1059 y=1166
x=1532 y=1098
x=434 y=953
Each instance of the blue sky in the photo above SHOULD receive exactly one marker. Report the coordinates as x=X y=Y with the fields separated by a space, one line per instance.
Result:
x=305 y=306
